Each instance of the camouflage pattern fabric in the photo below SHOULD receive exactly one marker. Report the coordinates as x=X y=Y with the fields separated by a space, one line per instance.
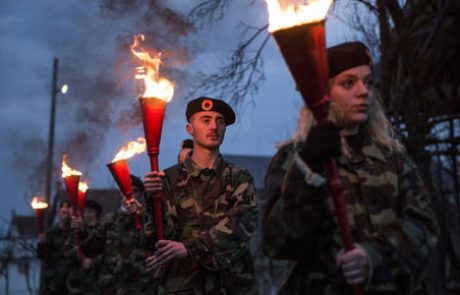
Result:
x=79 y=280
x=388 y=211
x=52 y=253
x=213 y=212
x=123 y=269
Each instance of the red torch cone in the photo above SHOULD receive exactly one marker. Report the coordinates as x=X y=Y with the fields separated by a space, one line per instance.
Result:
x=304 y=50
x=303 y=47
x=39 y=207
x=158 y=91
x=120 y=172
x=153 y=110
x=71 y=181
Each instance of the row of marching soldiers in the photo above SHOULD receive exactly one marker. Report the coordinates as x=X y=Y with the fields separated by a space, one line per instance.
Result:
x=113 y=253
x=210 y=210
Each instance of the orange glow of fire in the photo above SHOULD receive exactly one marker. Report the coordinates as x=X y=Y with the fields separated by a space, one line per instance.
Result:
x=155 y=86
x=284 y=14
x=66 y=170
x=38 y=203
x=130 y=149
x=83 y=186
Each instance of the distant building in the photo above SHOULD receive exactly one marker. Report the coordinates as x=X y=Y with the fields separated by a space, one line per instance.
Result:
x=19 y=265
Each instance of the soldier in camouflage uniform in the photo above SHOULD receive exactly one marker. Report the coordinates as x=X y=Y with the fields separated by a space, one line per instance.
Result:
x=388 y=206
x=124 y=269
x=50 y=250
x=83 y=268
x=210 y=215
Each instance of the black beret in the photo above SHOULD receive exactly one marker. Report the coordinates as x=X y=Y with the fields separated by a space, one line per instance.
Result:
x=187 y=144
x=202 y=104
x=346 y=56
x=94 y=205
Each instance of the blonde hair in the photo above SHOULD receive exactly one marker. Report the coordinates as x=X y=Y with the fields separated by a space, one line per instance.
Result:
x=377 y=126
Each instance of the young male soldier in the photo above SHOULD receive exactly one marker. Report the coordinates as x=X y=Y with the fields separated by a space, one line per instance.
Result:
x=210 y=209
x=123 y=269
x=50 y=250
x=84 y=267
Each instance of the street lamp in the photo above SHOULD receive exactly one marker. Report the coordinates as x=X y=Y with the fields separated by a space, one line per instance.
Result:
x=64 y=88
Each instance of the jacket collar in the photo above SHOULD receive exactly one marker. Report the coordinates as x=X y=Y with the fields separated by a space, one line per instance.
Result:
x=194 y=170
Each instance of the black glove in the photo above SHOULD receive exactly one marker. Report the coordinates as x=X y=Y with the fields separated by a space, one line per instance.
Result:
x=322 y=144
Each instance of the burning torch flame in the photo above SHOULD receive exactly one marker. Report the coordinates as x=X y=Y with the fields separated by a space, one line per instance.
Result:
x=83 y=186
x=37 y=203
x=289 y=13
x=155 y=86
x=130 y=149
x=66 y=170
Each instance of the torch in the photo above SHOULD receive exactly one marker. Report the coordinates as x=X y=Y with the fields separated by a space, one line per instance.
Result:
x=299 y=32
x=39 y=205
x=120 y=172
x=72 y=179
x=158 y=92
x=82 y=188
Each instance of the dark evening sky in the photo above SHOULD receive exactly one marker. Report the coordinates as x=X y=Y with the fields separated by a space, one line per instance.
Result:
x=95 y=61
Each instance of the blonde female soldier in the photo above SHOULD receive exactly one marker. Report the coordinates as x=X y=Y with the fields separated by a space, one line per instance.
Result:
x=388 y=207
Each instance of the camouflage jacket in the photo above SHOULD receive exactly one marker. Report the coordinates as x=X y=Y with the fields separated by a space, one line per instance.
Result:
x=123 y=269
x=84 y=281
x=388 y=211
x=213 y=212
x=52 y=252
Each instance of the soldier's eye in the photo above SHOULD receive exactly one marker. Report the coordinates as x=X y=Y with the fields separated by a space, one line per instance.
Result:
x=347 y=84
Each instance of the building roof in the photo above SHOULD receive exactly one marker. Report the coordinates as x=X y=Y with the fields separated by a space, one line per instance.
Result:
x=257 y=166
x=109 y=199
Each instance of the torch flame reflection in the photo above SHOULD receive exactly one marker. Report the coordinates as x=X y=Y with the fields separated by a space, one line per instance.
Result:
x=38 y=203
x=155 y=86
x=66 y=170
x=285 y=14
x=130 y=149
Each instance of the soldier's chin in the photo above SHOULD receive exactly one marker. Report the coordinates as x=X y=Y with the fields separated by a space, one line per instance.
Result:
x=359 y=118
x=213 y=144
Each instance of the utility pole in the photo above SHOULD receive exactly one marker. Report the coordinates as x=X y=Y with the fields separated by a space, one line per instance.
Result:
x=49 y=162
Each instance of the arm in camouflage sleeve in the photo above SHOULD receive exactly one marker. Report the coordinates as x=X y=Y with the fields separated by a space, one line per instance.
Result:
x=216 y=248
x=91 y=242
x=296 y=220
x=399 y=253
x=111 y=260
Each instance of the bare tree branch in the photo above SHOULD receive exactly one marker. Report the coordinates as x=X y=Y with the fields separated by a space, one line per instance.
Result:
x=208 y=11
x=243 y=74
x=371 y=7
